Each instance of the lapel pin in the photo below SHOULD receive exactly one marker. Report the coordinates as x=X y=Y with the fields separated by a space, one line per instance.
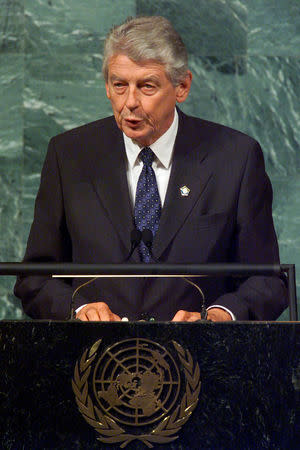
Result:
x=184 y=191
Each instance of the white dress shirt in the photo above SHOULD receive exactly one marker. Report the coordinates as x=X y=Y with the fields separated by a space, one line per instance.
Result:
x=162 y=164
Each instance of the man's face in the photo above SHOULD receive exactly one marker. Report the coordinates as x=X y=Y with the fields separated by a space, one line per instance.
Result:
x=143 y=98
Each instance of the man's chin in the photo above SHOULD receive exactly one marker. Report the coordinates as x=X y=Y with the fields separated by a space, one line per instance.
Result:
x=139 y=137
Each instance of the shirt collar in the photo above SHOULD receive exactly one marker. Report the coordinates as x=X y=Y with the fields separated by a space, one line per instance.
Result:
x=162 y=148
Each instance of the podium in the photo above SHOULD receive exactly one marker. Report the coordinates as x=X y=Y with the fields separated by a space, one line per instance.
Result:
x=166 y=385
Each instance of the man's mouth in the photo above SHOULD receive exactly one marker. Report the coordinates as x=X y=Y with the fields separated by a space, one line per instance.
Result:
x=133 y=121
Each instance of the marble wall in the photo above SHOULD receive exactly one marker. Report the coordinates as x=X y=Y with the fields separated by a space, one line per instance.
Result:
x=244 y=55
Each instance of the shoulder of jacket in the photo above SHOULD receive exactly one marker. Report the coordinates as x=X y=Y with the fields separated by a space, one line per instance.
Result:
x=213 y=127
x=108 y=123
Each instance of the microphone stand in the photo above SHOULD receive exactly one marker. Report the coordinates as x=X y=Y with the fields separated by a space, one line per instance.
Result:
x=147 y=237
x=135 y=239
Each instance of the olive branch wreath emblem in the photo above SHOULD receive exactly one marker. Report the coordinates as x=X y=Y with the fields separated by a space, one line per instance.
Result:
x=110 y=432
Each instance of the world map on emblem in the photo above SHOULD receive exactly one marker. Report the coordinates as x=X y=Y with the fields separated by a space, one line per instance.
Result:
x=136 y=382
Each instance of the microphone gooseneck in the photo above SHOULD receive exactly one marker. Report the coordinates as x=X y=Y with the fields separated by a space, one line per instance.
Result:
x=135 y=239
x=136 y=236
x=147 y=238
x=203 y=312
x=72 y=315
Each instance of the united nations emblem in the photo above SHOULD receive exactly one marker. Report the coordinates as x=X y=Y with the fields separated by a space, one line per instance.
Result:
x=136 y=385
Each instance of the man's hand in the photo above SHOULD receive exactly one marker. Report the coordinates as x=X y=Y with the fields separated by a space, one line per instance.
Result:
x=98 y=311
x=186 y=316
x=218 y=315
x=214 y=314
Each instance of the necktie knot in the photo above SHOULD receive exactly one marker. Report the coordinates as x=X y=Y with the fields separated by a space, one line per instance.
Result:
x=146 y=155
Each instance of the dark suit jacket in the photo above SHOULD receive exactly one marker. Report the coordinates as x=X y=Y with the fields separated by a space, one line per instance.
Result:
x=83 y=214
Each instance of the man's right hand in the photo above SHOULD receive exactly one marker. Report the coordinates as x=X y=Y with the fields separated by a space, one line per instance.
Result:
x=98 y=311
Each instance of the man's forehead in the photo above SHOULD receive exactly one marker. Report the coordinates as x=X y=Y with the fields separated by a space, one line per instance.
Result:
x=121 y=64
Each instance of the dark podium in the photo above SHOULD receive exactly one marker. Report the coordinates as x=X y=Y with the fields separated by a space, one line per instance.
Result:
x=204 y=385
x=216 y=386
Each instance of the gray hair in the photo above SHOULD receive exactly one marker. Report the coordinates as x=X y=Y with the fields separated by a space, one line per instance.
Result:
x=148 y=38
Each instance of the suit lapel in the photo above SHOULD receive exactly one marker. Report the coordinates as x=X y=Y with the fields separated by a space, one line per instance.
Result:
x=108 y=176
x=190 y=168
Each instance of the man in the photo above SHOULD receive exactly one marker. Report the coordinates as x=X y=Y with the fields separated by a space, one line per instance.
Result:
x=201 y=188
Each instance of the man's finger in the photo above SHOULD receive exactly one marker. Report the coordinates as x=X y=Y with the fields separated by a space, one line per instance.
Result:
x=179 y=316
x=192 y=317
x=92 y=314
x=218 y=315
x=81 y=316
x=105 y=314
x=186 y=316
x=97 y=311
x=116 y=318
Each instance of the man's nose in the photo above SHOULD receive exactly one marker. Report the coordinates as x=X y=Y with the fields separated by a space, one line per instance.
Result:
x=132 y=98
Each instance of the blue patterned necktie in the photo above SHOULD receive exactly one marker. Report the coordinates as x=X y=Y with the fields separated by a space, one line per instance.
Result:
x=147 y=208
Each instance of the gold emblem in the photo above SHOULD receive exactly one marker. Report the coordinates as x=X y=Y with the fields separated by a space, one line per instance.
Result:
x=184 y=190
x=135 y=385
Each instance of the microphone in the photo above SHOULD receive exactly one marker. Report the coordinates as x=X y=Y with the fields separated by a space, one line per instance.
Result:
x=147 y=238
x=135 y=239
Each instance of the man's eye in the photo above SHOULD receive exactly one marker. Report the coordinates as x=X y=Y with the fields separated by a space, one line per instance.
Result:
x=148 y=88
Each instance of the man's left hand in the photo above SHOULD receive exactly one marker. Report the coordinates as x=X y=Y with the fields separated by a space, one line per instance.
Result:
x=218 y=315
x=214 y=314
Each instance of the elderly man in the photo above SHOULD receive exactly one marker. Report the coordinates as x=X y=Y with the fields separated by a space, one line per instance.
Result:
x=199 y=187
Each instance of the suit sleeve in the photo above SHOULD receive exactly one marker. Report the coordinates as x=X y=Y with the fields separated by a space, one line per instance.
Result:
x=49 y=241
x=255 y=242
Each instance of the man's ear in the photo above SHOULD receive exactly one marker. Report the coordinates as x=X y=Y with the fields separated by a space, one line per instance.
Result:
x=183 y=88
x=107 y=90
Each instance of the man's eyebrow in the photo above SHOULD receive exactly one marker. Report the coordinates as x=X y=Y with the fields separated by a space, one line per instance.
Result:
x=115 y=77
x=152 y=78
x=146 y=79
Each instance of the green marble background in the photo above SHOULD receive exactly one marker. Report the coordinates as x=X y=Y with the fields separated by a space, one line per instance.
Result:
x=244 y=55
